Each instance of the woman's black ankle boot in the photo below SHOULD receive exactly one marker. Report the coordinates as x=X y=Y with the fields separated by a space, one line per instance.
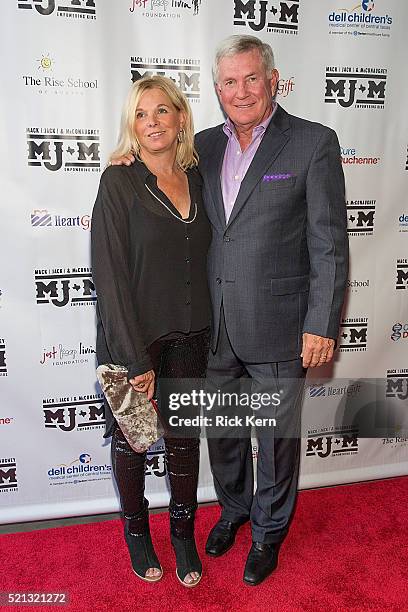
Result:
x=183 y=542
x=139 y=542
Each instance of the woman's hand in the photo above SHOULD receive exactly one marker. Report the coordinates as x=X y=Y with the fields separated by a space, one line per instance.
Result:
x=144 y=383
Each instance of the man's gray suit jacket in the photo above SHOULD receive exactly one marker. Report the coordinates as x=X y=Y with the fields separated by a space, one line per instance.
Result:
x=279 y=265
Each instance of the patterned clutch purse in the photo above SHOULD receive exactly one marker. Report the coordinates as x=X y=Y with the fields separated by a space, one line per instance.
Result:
x=136 y=415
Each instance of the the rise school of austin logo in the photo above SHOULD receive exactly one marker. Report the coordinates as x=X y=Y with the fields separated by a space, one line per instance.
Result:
x=165 y=9
x=82 y=412
x=360 y=217
x=62 y=355
x=3 y=362
x=79 y=470
x=71 y=9
x=351 y=156
x=155 y=461
x=270 y=15
x=355 y=87
x=363 y=19
x=74 y=149
x=185 y=72
x=43 y=80
x=62 y=286
x=353 y=334
x=8 y=475
x=332 y=442
x=356 y=286
x=43 y=218
x=402 y=274
x=399 y=331
x=397 y=384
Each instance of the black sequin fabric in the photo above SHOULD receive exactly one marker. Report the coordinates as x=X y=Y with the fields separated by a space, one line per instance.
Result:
x=180 y=360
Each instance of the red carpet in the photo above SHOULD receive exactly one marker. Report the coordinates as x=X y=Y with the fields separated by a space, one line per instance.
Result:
x=347 y=550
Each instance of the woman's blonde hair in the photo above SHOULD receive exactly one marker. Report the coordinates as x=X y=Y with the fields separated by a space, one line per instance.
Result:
x=186 y=155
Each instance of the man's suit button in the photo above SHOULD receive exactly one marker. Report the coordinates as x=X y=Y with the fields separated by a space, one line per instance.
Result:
x=218 y=280
x=227 y=239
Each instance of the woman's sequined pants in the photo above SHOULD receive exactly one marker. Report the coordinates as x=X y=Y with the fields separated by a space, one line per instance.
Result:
x=182 y=358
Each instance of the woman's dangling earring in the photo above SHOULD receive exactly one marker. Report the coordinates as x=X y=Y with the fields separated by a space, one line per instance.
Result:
x=181 y=136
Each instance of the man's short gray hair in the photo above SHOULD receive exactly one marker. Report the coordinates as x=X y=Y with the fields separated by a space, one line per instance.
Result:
x=240 y=43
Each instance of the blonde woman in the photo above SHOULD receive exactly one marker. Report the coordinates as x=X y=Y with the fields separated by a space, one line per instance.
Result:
x=150 y=237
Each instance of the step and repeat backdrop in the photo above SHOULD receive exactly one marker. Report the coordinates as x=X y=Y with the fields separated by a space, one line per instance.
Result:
x=67 y=65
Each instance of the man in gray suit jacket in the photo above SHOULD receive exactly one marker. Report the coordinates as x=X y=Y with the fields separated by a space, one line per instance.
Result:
x=277 y=269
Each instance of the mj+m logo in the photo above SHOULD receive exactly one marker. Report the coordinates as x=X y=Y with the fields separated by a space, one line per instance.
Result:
x=270 y=14
x=77 y=150
x=77 y=9
x=358 y=87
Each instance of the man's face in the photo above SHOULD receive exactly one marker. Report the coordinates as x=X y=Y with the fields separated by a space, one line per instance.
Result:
x=244 y=89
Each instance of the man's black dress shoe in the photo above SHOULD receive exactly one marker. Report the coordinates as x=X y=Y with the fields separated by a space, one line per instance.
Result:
x=222 y=537
x=262 y=560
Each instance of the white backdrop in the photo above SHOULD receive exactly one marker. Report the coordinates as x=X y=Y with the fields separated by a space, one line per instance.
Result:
x=67 y=65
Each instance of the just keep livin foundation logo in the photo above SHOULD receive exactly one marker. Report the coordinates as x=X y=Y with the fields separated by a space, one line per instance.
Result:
x=70 y=9
x=47 y=77
x=165 y=9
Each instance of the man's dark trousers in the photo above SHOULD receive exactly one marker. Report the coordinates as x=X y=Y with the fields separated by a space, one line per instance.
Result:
x=270 y=508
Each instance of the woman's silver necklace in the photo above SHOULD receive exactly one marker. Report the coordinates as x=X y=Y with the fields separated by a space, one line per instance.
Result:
x=169 y=209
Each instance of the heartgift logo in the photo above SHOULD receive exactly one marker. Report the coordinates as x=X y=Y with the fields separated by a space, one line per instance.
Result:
x=42 y=218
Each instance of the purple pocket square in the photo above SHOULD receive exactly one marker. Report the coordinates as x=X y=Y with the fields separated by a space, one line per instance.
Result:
x=277 y=177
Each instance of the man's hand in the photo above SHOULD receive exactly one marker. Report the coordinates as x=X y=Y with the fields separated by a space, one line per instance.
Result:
x=125 y=160
x=316 y=350
x=144 y=383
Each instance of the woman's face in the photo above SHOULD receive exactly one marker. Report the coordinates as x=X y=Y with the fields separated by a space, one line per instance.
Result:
x=157 y=122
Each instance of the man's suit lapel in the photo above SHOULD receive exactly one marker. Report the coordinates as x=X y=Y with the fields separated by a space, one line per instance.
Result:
x=214 y=175
x=275 y=138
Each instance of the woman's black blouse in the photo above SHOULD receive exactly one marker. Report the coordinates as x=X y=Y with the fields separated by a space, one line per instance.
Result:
x=149 y=268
